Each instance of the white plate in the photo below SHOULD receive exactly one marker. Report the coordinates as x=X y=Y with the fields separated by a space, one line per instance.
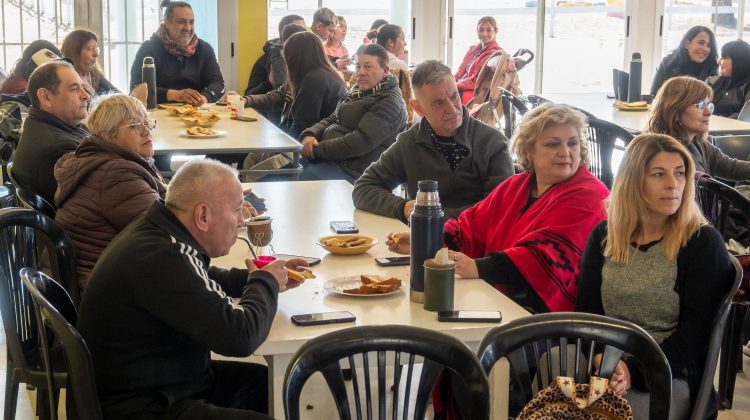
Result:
x=338 y=285
x=217 y=133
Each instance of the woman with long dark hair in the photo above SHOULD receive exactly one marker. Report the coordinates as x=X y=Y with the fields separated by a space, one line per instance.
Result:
x=81 y=47
x=732 y=86
x=695 y=56
x=392 y=38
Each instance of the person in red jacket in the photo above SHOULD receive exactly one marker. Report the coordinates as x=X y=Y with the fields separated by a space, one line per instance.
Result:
x=468 y=71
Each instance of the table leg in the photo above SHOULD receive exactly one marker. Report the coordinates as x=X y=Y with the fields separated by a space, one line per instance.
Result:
x=277 y=364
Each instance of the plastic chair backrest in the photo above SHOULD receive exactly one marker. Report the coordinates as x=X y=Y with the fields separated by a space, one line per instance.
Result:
x=396 y=345
x=706 y=388
x=55 y=310
x=716 y=198
x=744 y=114
x=524 y=342
x=512 y=107
x=603 y=136
x=737 y=147
x=33 y=201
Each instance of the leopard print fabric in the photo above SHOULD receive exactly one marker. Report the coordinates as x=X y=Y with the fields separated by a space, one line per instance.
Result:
x=593 y=401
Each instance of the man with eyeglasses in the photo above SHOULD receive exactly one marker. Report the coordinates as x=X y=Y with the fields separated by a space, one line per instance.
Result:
x=59 y=104
x=186 y=67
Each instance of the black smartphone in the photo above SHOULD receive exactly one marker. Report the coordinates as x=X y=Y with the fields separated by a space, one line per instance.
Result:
x=310 y=260
x=245 y=119
x=344 y=227
x=390 y=261
x=221 y=102
x=321 y=318
x=470 y=316
x=255 y=201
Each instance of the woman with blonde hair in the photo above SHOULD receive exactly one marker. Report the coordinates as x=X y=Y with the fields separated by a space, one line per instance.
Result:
x=109 y=180
x=81 y=47
x=526 y=236
x=659 y=264
x=682 y=109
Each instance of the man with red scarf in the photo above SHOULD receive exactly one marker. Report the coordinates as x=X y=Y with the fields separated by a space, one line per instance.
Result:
x=186 y=67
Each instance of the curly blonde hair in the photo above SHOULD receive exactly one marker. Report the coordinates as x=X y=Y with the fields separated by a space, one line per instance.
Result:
x=536 y=120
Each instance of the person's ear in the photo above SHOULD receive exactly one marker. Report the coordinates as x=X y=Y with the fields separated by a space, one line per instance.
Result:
x=202 y=216
x=45 y=97
x=417 y=107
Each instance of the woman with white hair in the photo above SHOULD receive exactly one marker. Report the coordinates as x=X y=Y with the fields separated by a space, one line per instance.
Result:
x=109 y=180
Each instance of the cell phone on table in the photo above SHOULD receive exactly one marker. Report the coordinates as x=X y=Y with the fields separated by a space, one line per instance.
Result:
x=391 y=261
x=245 y=119
x=310 y=260
x=343 y=226
x=221 y=102
x=470 y=316
x=321 y=318
x=255 y=201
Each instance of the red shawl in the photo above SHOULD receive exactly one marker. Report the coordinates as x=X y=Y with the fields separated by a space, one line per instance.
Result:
x=546 y=241
x=466 y=79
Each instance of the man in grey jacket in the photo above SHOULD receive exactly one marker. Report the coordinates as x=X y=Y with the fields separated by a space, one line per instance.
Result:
x=467 y=158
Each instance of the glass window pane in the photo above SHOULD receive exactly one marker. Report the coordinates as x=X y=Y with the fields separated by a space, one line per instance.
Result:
x=516 y=21
x=718 y=15
x=575 y=32
x=279 y=9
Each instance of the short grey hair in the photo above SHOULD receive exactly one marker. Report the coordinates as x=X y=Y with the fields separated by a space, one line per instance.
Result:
x=110 y=111
x=196 y=181
x=325 y=16
x=429 y=72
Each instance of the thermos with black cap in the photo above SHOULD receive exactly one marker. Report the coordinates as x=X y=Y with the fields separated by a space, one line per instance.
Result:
x=634 y=84
x=426 y=223
x=148 y=75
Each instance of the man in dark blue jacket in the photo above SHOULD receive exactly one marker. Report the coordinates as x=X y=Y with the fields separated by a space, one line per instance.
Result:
x=186 y=67
x=155 y=308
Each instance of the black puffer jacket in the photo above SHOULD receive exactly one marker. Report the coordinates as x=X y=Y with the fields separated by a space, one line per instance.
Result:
x=672 y=66
x=361 y=129
x=729 y=98
x=199 y=72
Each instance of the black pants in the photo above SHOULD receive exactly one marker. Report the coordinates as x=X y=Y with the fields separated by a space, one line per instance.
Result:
x=240 y=391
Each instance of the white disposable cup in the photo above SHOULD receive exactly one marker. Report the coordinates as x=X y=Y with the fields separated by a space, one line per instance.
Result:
x=234 y=102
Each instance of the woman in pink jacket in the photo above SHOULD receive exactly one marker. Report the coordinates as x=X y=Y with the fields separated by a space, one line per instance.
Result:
x=466 y=76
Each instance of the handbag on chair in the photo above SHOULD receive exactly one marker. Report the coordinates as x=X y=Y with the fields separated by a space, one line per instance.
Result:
x=498 y=72
x=564 y=399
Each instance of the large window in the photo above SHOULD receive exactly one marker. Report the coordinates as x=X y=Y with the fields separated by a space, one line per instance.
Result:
x=24 y=21
x=359 y=16
x=718 y=15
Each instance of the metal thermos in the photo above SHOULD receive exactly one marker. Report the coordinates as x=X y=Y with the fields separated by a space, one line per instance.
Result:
x=634 y=84
x=149 y=77
x=427 y=221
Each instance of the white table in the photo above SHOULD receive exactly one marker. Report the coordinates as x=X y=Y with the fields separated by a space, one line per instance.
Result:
x=301 y=212
x=261 y=136
x=601 y=107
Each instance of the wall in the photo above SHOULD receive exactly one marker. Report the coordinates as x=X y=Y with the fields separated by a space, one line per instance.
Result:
x=251 y=35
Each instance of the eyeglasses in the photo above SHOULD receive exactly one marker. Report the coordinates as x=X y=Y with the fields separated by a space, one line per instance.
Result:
x=702 y=105
x=94 y=49
x=149 y=125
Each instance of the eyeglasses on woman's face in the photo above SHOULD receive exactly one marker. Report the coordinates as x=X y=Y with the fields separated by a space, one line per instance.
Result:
x=143 y=126
x=703 y=105
x=93 y=49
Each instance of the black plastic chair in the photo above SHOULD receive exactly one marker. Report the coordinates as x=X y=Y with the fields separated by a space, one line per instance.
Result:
x=396 y=344
x=513 y=106
x=55 y=311
x=603 y=137
x=21 y=231
x=32 y=201
x=524 y=342
x=705 y=391
x=716 y=199
x=536 y=100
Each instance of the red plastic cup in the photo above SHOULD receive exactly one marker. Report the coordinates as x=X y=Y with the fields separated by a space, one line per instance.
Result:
x=263 y=260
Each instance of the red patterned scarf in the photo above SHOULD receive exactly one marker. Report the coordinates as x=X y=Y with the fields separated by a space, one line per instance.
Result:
x=174 y=47
x=546 y=241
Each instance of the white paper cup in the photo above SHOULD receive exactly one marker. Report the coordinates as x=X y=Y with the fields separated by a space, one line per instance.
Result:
x=234 y=102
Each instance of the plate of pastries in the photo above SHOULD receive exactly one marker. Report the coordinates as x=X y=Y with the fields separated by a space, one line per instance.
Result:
x=364 y=285
x=347 y=244
x=202 y=132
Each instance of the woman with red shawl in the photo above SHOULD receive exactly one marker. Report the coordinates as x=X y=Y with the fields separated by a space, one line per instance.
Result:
x=468 y=71
x=527 y=236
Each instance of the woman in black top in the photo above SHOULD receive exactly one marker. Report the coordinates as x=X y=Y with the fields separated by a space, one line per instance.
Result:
x=695 y=56
x=732 y=86
x=657 y=263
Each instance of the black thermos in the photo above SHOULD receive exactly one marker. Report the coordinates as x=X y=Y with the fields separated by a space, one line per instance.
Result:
x=149 y=77
x=634 y=85
x=426 y=234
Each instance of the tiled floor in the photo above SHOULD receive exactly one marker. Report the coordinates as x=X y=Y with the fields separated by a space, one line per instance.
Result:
x=317 y=404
